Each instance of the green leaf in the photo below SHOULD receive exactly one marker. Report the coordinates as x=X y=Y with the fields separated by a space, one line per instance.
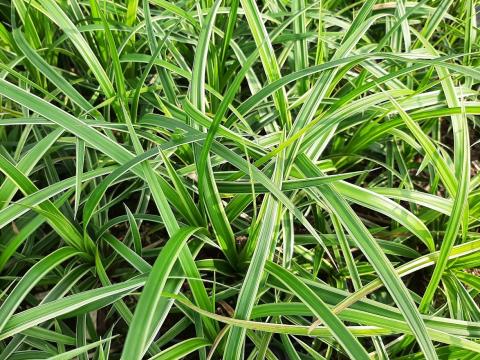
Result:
x=181 y=349
x=138 y=336
x=349 y=343
x=30 y=279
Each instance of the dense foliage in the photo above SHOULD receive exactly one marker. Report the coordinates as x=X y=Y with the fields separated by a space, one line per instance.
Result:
x=239 y=179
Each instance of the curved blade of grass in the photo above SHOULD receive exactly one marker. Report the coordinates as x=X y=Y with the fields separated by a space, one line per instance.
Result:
x=244 y=187
x=78 y=351
x=129 y=255
x=26 y=164
x=181 y=349
x=27 y=229
x=300 y=50
x=433 y=202
x=58 y=221
x=95 y=298
x=462 y=173
x=320 y=331
x=137 y=336
x=349 y=343
x=79 y=164
x=30 y=279
x=387 y=207
x=52 y=75
x=23 y=205
x=135 y=233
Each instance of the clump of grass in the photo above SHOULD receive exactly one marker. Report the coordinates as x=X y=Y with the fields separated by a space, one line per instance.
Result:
x=239 y=179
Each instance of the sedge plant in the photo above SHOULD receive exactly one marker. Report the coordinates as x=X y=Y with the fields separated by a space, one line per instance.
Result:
x=239 y=179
